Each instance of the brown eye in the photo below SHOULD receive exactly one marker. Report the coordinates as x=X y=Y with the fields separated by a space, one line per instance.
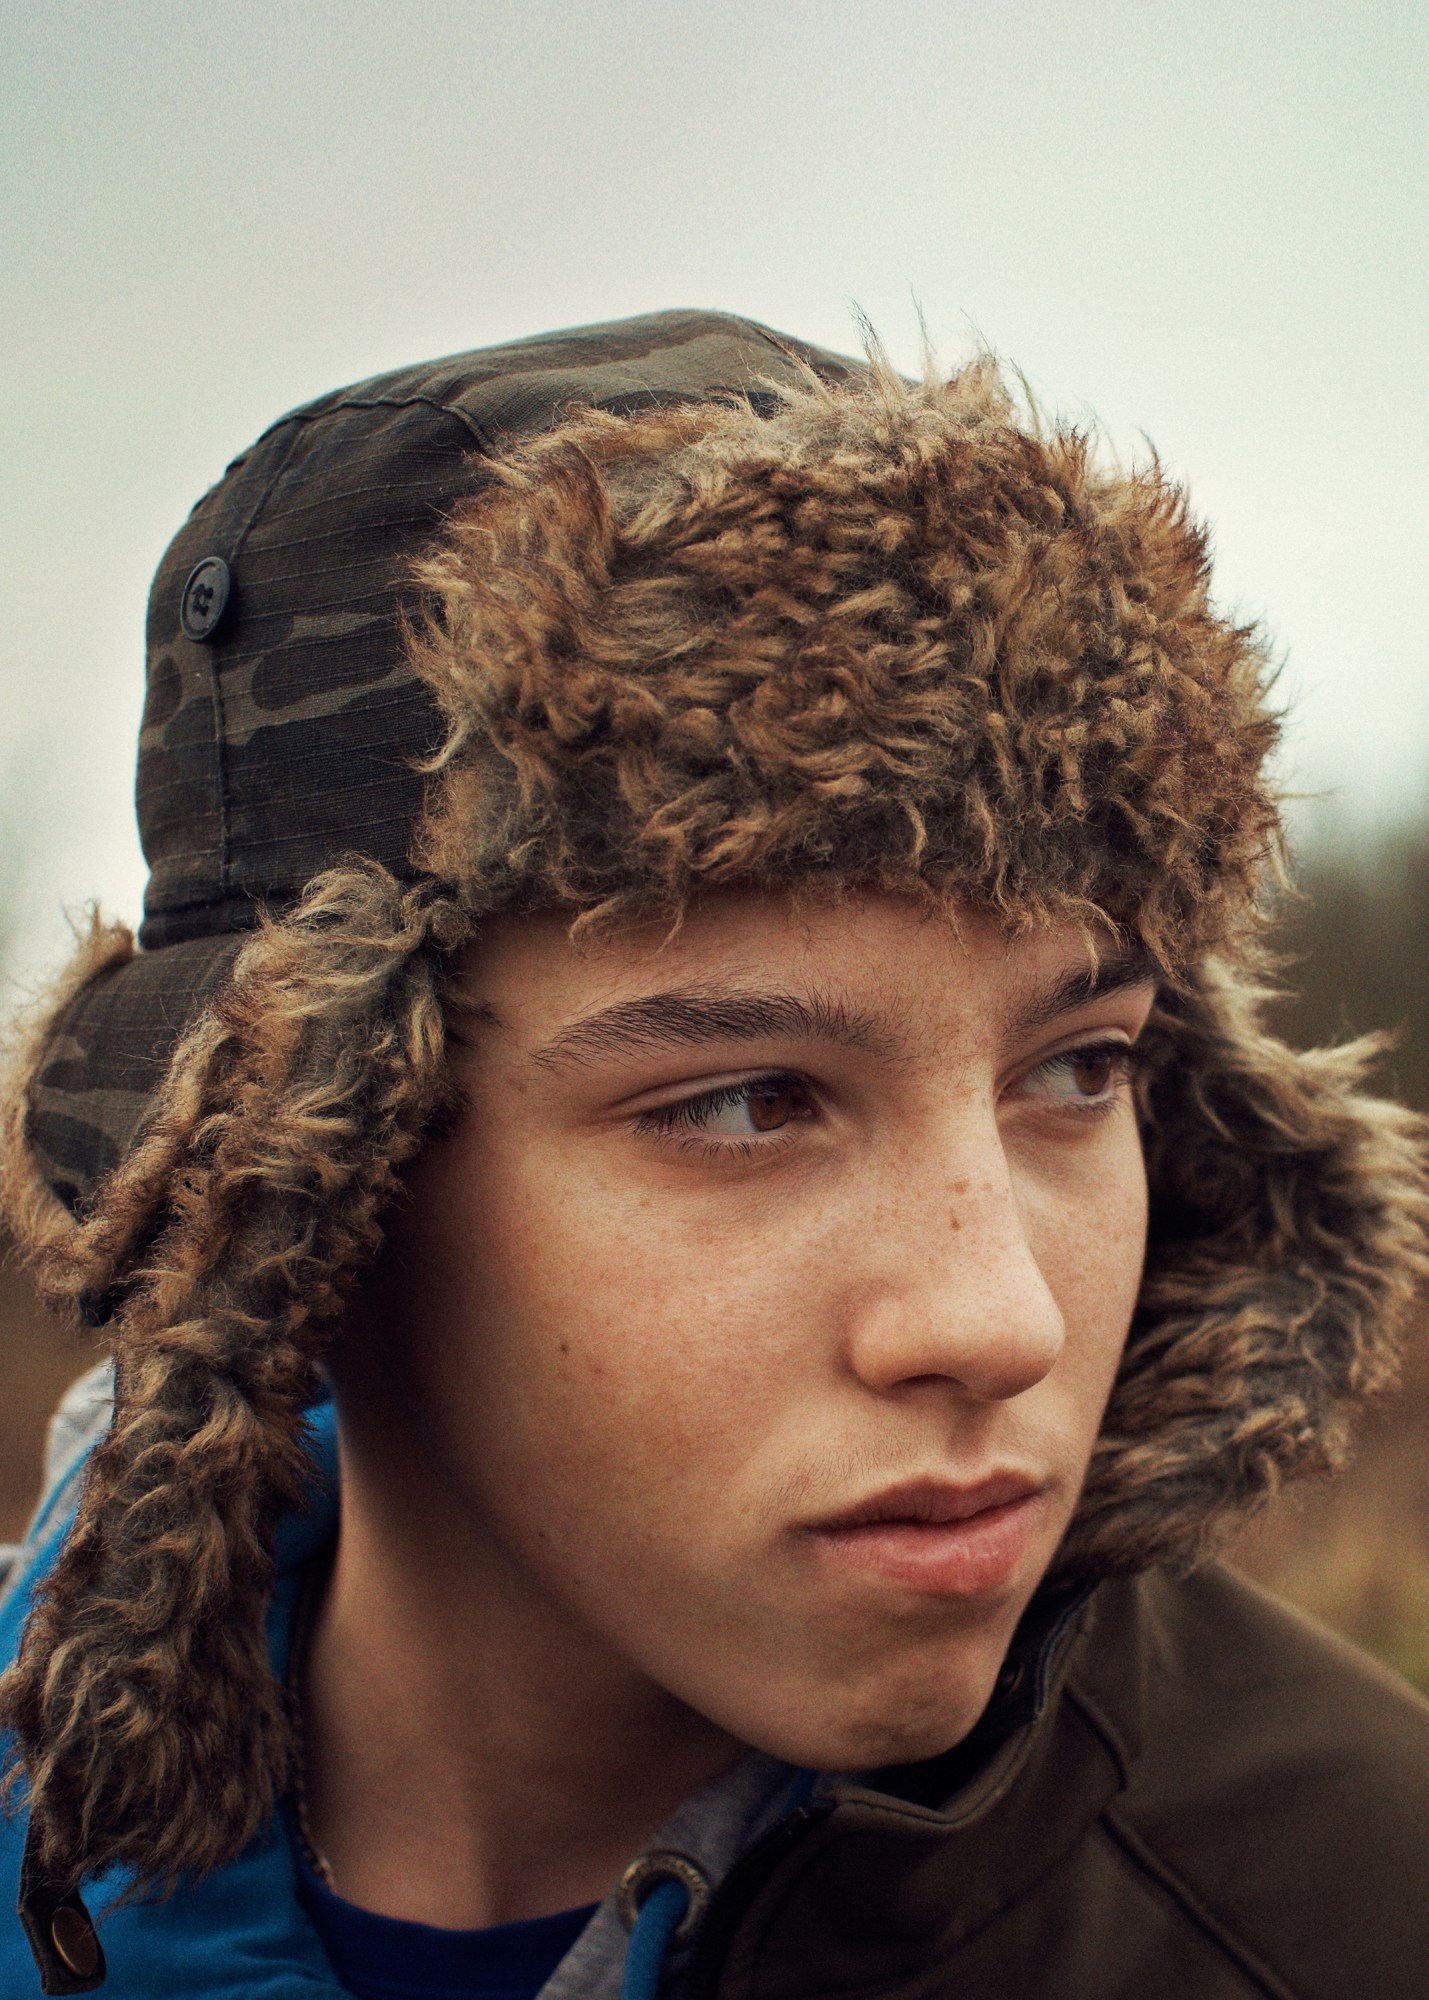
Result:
x=771 y=1104
x=1092 y=1071
x=1086 y=1079
x=741 y=1111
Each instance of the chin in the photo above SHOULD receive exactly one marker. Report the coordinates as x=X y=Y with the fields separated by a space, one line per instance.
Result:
x=900 y=1719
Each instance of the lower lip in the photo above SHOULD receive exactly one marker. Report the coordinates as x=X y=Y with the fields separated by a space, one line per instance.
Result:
x=944 y=1558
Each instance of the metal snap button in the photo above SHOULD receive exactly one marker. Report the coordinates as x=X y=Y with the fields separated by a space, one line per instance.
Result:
x=205 y=598
x=76 y=1945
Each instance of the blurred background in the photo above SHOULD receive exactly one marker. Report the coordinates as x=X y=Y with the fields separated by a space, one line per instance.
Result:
x=1204 y=227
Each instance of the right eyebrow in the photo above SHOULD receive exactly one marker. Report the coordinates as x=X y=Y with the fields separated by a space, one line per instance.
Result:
x=1083 y=984
x=684 y=1019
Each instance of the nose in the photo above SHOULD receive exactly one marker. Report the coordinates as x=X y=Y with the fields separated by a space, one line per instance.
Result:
x=951 y=1289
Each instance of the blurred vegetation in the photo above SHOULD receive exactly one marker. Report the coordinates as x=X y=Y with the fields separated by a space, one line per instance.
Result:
x=1355 y=954
x=38 y=1360
x=1355 y=1552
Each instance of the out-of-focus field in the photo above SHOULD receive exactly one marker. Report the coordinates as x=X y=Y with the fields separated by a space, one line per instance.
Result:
x=1355 y=1552
x=38 y=1358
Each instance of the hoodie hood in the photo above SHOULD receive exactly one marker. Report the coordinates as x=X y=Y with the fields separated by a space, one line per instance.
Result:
x=811 y=626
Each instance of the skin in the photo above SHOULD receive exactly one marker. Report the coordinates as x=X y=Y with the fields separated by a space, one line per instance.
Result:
x=658 y=1309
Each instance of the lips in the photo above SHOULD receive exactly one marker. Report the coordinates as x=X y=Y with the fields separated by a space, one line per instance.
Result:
x=936 y=1536
x=933 y=1502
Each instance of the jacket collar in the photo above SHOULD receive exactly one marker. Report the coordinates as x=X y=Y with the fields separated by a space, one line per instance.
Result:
x=795 y=1918
x=948 y=1840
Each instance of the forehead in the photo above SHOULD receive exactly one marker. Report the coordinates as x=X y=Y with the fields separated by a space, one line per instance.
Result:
x=874 y=970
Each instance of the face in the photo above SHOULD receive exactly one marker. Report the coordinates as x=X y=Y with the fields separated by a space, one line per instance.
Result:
x=758 y=1312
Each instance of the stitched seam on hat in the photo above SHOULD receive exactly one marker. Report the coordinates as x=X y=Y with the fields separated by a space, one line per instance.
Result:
x=469 y=424
x=355 y=565
x=220 y=770
x=264 y=497
x=220 y=740
x=375 y=403
x=225 y=827
x=334 y=495
x=1215 y=1928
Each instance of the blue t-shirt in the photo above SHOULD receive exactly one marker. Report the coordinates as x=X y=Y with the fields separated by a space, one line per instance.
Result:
x=385 y=1958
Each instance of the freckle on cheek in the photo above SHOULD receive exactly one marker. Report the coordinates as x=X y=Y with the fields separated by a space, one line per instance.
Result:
x=953 y=1222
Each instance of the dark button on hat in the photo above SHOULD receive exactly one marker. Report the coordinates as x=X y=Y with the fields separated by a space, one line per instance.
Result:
x=205 y=598
x=294 y=732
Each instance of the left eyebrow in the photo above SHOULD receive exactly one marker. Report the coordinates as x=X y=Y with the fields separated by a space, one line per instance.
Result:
x=685 y=1019
x=1082 y=985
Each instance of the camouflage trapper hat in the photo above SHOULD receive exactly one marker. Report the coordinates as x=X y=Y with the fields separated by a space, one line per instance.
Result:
x=599 y=622
x=283 y=724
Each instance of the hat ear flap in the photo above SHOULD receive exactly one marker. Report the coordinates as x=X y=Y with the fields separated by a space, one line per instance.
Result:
x=1289 y=1233
x=42 y=1226
x=147 y=1723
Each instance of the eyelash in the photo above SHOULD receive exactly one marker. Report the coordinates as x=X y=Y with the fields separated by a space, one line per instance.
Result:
x=686 y=1119
x=1125 y=1059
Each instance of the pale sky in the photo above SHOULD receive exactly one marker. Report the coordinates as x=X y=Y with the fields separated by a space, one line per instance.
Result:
x=1205 y=224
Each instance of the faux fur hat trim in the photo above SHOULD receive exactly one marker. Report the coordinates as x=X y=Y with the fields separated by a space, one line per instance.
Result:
x=1289 y=1235
x=881 y=636
x=884 y=634
x=149 y=1729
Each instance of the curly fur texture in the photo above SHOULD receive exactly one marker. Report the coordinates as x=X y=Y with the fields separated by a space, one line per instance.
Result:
x=1289 y=1221
x=883 y=635
x=149 y=1726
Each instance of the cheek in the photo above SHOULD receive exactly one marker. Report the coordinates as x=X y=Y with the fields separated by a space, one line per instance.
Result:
x=588 y=1354
x=1089 y=1237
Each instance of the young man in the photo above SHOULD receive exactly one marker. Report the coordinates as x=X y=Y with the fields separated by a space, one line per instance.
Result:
x=695 y=1057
